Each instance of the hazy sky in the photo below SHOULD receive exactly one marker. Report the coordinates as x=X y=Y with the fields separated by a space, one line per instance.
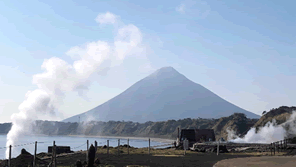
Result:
x=243 y=51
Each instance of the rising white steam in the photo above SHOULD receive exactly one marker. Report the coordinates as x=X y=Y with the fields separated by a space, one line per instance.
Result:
x=231 y=134
x=60 y=77
x=271 y=132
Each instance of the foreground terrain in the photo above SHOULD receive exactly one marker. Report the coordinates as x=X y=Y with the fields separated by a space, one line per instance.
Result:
x=283 y=161
x=139 y=156
x=164 y=157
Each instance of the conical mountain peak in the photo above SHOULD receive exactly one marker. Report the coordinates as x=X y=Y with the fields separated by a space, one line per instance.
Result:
x=165 y=72
x=163 y=95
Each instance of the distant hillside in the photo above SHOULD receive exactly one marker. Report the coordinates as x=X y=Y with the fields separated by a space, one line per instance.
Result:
x=4 y=128
x=166 y=94
x=237 y=122
x=280 y=115
x=163 y=129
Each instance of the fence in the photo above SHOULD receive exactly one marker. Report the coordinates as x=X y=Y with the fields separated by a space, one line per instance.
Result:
x=279 y=146
x=53 y=162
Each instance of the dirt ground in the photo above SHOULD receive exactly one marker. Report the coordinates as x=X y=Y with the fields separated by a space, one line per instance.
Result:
x=194 y=160
x=264 y=161
x=139 y=156
x=158 y=157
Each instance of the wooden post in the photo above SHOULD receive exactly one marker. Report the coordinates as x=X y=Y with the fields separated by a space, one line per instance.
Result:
x=96 y=145
x=218 y=147
x=149 y=147
x=55 y=155
x=9 y=161
x=118 y=146
x=87 y=145
x=185 y=145
x=52 y=153
x=274 y=148
x=34 y=162
x=86 y=150
x=108 y=147
x=128 y=146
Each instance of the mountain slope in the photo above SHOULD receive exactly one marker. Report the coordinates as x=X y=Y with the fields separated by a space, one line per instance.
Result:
x=165 y=94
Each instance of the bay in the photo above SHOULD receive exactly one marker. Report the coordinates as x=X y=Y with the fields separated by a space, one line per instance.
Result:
x=75 y=142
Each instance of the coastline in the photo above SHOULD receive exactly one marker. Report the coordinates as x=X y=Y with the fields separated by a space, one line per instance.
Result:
x=156 y=139
x=162 y=140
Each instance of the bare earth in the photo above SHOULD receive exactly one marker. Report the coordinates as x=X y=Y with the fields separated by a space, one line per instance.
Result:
x=264 y=161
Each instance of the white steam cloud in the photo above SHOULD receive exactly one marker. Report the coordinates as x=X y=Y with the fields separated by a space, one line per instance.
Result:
x=271 y=132
x=60 y=77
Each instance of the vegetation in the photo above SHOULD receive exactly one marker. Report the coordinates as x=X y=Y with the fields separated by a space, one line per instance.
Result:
x=164 y=129
x=280 y=115
x=237 y=122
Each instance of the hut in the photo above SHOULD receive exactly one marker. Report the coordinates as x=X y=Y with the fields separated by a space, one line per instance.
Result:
x=196 y=135
x=60 y=149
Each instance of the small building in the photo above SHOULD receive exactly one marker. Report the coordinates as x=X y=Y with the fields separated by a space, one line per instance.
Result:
x=197 y=135
x=60 y=149
x=204 y=135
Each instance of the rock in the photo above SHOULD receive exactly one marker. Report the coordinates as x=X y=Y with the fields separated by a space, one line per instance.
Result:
x=78 y=163
x=84 y=163
x=25 y=152
x=97 y=161
x=91 y=156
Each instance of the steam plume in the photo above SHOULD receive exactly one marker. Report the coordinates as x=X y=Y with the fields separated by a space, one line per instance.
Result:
x=60 y=77
x=271 y=132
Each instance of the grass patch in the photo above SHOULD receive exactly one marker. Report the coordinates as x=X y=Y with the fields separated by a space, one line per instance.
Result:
x=124 y=150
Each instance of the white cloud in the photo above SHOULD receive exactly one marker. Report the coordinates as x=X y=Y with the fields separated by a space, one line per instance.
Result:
x=107 y=18
x=181 y=8
x=128 y=41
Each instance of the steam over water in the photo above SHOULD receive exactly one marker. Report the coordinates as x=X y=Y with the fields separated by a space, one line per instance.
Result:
x=60 y=76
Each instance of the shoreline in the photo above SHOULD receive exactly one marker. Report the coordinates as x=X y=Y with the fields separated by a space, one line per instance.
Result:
x=161 y=140
x=156 y=139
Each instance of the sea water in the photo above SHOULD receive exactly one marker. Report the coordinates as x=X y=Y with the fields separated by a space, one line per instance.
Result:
x=75 y=142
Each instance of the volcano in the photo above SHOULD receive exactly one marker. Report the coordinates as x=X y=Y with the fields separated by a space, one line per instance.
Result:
x=165 y=94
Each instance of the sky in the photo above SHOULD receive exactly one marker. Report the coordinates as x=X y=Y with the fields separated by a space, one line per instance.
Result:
x=243 y=51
